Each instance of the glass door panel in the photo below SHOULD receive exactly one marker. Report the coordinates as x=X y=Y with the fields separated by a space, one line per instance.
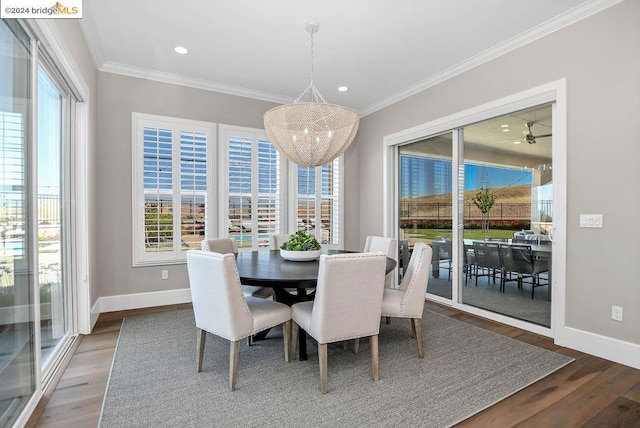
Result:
x=426 y=210
x=17 y=329
x=51 y=277
x=507 y=202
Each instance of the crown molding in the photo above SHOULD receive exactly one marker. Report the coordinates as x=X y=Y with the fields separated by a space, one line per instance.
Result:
x=561 y=21
x=176 y=79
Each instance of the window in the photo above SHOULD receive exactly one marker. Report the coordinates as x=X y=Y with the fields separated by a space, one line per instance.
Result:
x=172 y=191
x=175 y=206
x=253 y=186
x=319 y=202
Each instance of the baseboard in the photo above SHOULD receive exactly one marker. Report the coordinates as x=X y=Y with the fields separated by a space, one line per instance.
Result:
x=143 y=300
x=619 y=351
x=95 y=313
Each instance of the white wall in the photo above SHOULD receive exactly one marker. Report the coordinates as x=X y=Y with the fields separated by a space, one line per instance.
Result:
x=600 y=58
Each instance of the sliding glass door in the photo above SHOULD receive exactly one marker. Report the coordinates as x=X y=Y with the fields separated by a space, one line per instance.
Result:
x=35 y=298
x=508 y=214
x=51 y=196
x=481 y=195
x=425 y=212
x=17 y=318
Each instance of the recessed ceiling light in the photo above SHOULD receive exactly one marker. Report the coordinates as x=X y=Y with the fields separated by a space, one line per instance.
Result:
x=517 y=142
x=504 y=126
x=505 y=130
x=343 y=89
x=181 y=50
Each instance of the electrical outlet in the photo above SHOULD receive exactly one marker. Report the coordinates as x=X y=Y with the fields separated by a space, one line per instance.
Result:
x=165 y=274
x=616 y=313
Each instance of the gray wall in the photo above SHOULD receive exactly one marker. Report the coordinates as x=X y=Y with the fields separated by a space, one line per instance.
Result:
x=118 y=97
x=600 y=58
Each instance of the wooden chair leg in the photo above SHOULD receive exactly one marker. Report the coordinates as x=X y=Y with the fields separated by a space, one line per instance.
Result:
x=388 y=319
x=413 y=328
x=294 y=339
x=286 y=333
x=322 y=358
x=374 y=357
x=234 y=353
x=202 y=335
x=356 y=345
x=417 y=326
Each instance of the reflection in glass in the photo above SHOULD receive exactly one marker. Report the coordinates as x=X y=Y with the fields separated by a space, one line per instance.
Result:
x=53 y=325
x=425 y=189
x=17 y=341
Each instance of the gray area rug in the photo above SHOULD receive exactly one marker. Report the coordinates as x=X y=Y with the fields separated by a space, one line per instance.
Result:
x=153 y=381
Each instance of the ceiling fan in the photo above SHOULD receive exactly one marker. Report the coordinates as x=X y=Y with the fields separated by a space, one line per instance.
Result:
x=528 y=135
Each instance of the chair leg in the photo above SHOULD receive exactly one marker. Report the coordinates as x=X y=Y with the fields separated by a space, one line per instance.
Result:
x=322 y=359
x=286 y=332
x=356 y=345
x=234 y=354
x=388 y=320
x=294 y=339
x=417 y=326
x=413 y=329
x=374 y=357
x=202 y=335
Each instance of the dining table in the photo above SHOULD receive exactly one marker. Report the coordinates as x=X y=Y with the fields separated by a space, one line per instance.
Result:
x=292 y=281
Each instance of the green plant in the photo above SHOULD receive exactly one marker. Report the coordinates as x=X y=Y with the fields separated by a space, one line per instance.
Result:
x=484 y=201
x=300 y=241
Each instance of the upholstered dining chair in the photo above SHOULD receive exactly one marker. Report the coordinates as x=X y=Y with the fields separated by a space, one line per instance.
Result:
x=408 y=300
x=277 y=240
x=221 y=308
x=228 y=245
x=388 y=246
x=347 y=305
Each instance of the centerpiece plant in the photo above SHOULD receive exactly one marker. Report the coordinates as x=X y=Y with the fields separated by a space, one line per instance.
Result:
x=301 y=241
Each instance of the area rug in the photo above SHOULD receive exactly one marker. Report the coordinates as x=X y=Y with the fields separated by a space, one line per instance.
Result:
x=153 y=380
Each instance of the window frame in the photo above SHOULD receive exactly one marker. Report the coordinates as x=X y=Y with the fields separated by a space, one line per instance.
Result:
x=139 y=121
x=294 y=199
x=226 y=132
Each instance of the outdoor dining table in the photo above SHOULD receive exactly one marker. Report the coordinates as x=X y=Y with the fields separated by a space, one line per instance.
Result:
x=266 y=268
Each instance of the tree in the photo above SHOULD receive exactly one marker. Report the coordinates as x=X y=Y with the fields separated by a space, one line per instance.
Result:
x=484 y=201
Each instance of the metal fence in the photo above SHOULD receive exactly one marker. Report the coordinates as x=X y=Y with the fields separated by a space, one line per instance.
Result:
x=541 y=211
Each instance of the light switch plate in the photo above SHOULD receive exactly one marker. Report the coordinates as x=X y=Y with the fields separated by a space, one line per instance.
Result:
x=591 y=220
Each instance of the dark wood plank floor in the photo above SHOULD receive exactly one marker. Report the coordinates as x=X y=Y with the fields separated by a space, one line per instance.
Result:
x=590 y=392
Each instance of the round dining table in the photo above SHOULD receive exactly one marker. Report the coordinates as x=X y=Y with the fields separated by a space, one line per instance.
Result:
x=291 y=281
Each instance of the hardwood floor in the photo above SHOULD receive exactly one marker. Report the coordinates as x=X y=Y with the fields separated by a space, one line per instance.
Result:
x=590 y=392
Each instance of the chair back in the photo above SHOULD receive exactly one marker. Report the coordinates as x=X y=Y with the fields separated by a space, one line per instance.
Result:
x=415 y=281
x=518 y=258
x=388 y=246
x=218 y=303
x=488 y=254
x=220 y=245
x=348 y=299
x=277 y=240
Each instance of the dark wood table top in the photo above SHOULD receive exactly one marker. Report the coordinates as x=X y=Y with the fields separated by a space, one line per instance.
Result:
x=267 y=269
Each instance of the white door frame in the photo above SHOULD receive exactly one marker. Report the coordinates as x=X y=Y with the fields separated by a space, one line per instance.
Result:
x=553 y=92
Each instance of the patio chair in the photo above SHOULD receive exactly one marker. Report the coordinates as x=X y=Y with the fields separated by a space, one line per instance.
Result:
x=489 y=260
x=519 y=260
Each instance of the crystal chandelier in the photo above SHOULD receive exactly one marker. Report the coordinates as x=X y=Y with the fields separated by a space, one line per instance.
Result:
x=313 y=132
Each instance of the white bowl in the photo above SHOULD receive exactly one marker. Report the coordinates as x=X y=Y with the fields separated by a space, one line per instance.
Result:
x=300 y=256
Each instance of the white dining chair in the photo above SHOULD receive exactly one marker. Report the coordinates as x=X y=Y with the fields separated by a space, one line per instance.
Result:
x=226 y=246
x=408 y=300
x=277 y=240
x=388 y=246
x=221 y=308
x=347 y=305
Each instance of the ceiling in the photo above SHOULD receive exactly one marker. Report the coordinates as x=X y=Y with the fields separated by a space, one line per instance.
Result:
x=381 y=50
